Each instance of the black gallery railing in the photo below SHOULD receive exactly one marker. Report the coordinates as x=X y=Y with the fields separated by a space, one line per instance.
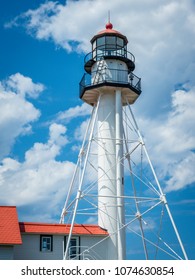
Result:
x=112 y=76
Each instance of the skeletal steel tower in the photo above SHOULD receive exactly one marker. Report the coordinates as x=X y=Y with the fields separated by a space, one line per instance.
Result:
x=110 y=86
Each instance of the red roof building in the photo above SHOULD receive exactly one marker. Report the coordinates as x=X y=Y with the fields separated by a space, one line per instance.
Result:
x=46 y=240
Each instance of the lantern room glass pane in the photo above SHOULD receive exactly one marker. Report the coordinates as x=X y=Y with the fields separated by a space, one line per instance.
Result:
x=109 y=45
x=120 y=42
x=110 y=42
x=101 y=43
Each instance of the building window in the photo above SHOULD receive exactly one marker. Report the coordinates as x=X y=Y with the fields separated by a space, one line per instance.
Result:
x=74 y=248
x=46 y=243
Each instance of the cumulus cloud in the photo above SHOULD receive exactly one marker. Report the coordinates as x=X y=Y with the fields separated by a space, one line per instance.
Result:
x=17 y=113
x=182 y=174
x=170 y=138
x=48 y=22
x=161 y=36
x=40 y=178
x=74 y=112
x=24 y=86
x=80 y=130
x=171 y=141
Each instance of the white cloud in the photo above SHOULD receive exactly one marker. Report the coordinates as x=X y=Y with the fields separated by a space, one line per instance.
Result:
x=161 y=36
x=40 y=178
x=80 y=130
x=41 y=153
x=171 y=141
x=169 y=138
x=74 y=112
x=24 y=86
x=17 y=113
x=182 y=174
x=57 y=132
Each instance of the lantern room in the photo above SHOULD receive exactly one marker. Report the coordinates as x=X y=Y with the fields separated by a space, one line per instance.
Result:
x=109 y=43
x=109 y=66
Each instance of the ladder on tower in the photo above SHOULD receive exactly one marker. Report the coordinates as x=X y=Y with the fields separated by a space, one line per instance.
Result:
x=99 y=73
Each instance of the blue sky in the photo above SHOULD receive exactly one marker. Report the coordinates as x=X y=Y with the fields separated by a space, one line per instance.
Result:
x=43 y=44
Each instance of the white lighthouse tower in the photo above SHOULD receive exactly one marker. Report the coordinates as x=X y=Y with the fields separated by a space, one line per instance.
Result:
x=109 y=86
x=112 y=83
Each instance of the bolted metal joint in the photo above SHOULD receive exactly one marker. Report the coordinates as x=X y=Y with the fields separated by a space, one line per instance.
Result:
x=163 y=198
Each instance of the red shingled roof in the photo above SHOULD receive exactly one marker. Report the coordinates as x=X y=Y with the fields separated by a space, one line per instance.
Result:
x=61 y=229
x=9 y=227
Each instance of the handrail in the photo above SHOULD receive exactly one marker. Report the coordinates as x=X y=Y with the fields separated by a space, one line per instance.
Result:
x=110 y=75
x=108 y=52
x=85 y=254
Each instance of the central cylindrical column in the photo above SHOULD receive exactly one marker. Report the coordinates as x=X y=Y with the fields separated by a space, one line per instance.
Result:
x=107 y=200
x=111 y=172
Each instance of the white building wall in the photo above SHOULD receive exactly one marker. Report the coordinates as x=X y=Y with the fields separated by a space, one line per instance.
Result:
x=98 y=252
x=6 y=252
x=30 y=248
